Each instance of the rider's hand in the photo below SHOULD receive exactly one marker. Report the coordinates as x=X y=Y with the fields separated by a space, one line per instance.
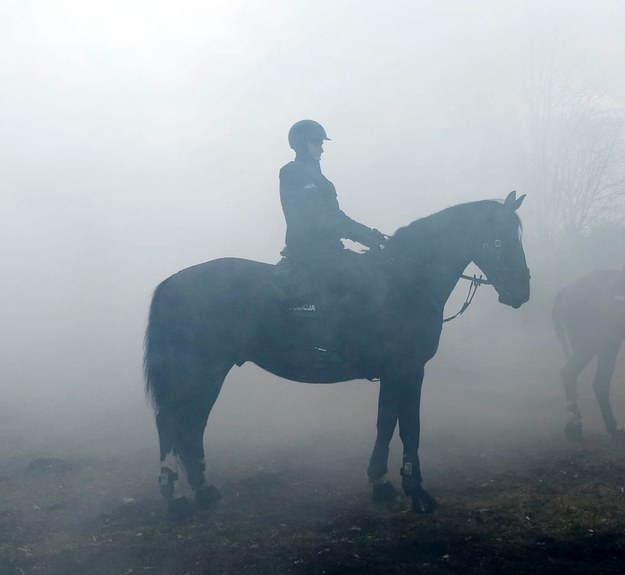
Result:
x=378 y=238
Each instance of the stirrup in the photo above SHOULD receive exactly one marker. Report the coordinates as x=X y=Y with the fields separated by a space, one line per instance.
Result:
x=325 y=358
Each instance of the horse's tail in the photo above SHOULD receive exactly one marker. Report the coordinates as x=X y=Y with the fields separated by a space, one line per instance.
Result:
x=155 y=367
x=558 y=314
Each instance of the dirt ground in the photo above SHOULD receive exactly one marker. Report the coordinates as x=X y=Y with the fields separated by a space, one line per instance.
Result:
x=535 y=507
x=514 y=496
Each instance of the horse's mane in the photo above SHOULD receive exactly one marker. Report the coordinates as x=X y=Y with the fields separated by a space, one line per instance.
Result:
x=448 y=220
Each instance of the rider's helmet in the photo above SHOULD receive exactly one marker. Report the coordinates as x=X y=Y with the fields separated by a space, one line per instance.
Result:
x=305 y=131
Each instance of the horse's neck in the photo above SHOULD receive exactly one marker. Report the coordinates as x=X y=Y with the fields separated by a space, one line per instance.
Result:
x=434 y=261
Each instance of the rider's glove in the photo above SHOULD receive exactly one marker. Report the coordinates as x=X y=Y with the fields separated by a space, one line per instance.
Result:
x=377 y=238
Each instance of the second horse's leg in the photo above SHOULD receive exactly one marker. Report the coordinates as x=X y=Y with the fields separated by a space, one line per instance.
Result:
x=606 y=359
x=573 y=367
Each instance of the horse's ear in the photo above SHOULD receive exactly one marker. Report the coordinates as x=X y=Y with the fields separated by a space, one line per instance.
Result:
x=512 y=202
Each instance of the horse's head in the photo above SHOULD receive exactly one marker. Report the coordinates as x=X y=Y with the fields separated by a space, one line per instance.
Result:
x=500 y=253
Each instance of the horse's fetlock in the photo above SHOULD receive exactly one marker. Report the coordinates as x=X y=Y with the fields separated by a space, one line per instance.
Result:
x=196 y=477
x=410 y=478
x=573 y=417
x=376 y=472
x=379 y=480
x=167 y=482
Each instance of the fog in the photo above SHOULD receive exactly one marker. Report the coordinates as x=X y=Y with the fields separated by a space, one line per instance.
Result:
x=139 y=138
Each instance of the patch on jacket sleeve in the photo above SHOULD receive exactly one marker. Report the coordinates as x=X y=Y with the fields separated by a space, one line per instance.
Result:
x=310 y=187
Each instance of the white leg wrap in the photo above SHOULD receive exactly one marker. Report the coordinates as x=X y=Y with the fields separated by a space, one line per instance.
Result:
x=380 y=480
x=168 y=476
x=171 y=462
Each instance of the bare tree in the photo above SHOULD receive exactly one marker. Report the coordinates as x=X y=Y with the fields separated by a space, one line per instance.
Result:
x=573 y=156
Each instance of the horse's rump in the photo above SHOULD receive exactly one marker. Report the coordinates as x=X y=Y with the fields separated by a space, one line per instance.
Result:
x=204 y=314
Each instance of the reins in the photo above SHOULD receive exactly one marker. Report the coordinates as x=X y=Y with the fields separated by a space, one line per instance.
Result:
x=475 y=283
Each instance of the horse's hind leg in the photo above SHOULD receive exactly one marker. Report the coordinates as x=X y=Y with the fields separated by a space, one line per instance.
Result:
x=576 y=363
x=190 y=436
x=606 y=360
x=181 y=421
x=191 y=445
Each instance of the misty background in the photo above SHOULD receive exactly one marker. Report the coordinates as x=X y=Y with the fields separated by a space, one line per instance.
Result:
x=138 y=138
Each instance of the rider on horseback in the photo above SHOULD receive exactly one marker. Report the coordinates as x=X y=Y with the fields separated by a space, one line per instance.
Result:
x=316 y=224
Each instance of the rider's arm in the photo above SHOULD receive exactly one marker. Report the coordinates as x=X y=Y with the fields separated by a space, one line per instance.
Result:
x=304 y=204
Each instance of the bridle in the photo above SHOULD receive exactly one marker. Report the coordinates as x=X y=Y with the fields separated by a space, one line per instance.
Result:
x=475 y=283
x=498 y=272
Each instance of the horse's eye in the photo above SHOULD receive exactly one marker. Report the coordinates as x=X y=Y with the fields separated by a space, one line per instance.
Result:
x=497 y=243
x=485 y=246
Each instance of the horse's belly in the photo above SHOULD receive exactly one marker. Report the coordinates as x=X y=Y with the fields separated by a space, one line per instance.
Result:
x=311 y=371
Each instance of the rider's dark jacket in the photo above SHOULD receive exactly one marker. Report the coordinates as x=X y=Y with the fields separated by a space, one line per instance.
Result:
x=315 y=223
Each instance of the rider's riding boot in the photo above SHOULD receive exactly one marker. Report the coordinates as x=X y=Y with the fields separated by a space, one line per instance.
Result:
x=326 y=346
x=332 y=330
x=326 y=357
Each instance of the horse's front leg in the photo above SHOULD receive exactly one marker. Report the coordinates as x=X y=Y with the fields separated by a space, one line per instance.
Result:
x=388 y=412
x=606 y=360
x=399 y=399
x=409 y=432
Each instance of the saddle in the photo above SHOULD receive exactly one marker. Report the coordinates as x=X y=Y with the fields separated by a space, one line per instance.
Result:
x=333 y=316
x=303 y=294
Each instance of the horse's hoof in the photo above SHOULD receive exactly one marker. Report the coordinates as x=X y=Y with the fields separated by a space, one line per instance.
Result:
x=206 y=497
x=573 y=431
x=423 y=502
x=385 y=492
x=178 y=508
x=618 y=435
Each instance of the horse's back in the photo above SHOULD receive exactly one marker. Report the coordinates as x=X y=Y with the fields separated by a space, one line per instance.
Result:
x=221 y=271
x=590 y=307
x=589 y=289
x=216 y=280
x=217 y=295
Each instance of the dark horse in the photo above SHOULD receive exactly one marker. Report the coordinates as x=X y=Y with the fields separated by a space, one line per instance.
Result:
x=589 y=318
x=207 y=318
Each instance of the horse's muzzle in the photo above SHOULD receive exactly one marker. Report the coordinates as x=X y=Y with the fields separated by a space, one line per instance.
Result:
x=515 y=295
